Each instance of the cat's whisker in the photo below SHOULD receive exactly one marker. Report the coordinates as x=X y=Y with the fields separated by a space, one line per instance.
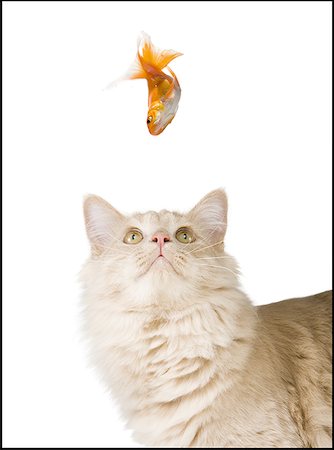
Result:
x=220 y=267
x=204 y=248
x=215 y=257
x=117 y=240
x=207 y=237
x=211 y=233
x=118 y=252
x=95 y=230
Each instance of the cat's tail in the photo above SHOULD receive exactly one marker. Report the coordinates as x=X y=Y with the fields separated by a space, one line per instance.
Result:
x=149 y=61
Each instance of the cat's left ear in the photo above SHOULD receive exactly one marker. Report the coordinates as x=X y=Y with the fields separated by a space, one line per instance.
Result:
x=101 y=222
x=211 y=214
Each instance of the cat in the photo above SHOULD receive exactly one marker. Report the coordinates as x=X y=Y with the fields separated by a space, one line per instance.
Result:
x=190 y=360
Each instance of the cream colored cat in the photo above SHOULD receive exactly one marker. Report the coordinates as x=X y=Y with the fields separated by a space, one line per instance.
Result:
x=191 y=361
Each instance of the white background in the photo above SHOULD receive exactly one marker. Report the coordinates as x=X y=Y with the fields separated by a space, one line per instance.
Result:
x=254 y=117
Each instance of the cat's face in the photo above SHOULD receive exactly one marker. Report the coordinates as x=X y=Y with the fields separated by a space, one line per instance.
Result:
x=147 y=255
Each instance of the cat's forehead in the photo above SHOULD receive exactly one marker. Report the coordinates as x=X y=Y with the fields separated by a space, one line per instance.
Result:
x=162 y=218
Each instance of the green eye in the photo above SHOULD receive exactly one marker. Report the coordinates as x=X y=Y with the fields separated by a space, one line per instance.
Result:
x=133 y=237
x=185 y=236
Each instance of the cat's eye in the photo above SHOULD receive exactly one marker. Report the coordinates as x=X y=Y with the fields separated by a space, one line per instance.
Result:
x=185 y=236
x=133 y=237
x=149 y=119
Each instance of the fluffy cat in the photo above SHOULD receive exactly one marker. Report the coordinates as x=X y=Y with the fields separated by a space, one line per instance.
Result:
x=191 y=361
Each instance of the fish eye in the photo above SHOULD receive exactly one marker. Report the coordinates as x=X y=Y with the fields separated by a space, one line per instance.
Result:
x=185 y=235
x=133 y=237
x=149 y=119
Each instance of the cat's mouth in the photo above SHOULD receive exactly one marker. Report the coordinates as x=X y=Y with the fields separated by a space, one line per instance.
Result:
x=161 y=263
x=161 y=259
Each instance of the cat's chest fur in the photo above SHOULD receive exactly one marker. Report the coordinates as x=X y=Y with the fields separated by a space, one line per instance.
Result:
x=174 y=373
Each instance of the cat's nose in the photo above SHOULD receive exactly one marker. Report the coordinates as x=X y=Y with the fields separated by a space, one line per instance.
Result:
x=161 y=238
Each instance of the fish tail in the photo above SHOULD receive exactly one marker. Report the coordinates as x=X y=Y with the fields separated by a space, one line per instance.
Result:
x=151 y=56
x=135 y=71
x=149 y=60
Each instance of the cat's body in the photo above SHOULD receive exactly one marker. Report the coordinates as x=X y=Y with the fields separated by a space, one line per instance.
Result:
x=189 y=358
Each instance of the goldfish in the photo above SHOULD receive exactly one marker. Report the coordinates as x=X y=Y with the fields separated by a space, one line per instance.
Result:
x=164 y=90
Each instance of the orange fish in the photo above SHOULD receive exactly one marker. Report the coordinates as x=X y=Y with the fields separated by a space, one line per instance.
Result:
x=163 y=90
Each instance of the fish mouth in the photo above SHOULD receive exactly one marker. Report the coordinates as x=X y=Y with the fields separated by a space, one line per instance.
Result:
x=156 y=131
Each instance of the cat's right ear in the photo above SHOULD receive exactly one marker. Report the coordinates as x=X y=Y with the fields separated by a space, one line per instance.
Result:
x=100 y=219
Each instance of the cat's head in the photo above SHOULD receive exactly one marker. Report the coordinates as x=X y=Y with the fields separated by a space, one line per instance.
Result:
x=155 y=256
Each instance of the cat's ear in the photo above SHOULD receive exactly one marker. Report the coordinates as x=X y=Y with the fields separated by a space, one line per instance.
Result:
x=101 y=219
x=211 y=214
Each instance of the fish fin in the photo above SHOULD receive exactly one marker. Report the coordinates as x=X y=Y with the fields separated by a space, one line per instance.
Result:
x=135 y=71
x=171 y=72
x=170 y=90
x=174 y=83
x=150 y=55
x=112 y=84
x=149 y=61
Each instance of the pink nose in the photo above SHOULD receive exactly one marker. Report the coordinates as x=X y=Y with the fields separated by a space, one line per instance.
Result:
x=161 y=238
